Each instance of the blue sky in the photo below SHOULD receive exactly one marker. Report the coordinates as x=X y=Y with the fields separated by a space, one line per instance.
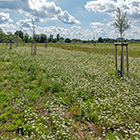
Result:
x=70 y=18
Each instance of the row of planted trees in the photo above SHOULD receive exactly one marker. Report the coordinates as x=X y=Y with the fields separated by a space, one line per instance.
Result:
x=20 y=36
x=16 y=37
x=39 y=38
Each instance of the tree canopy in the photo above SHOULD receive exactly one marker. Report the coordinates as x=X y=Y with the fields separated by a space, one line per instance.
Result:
x=121 y=22
x=19 y=33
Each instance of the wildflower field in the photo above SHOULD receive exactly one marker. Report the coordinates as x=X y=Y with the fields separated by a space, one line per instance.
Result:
x=68 y=91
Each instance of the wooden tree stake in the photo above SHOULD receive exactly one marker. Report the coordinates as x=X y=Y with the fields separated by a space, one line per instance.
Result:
x=45 y=44
x=122 y=59
x=127 y=61
x=10 y=45
x=33 y=48
x=116 y=59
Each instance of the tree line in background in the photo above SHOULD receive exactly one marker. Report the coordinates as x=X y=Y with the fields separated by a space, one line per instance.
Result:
x=41 y=38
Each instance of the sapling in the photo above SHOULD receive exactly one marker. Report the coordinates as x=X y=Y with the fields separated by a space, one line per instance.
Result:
x=121 y=22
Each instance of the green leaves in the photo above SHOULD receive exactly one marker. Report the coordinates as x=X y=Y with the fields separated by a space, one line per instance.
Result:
x=121 y=22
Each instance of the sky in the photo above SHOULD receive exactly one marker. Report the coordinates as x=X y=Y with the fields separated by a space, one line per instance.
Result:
x=81 y=19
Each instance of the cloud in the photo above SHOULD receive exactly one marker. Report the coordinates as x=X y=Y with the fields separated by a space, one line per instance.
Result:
x=67 y=18
x=101 y=32
x=25 y=25
x=54 y=31
x=110 y=24
x=65 y=32
x=75 y=27
x=134 y=32
x=14 y=4
x=5 y=17
x=102 y=6
x=41 y=10
x=96 y=24
x=8 y=27
x=132 y=7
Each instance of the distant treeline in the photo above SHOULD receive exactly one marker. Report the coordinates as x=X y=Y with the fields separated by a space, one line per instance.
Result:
x=109 y=40
x=41 y=38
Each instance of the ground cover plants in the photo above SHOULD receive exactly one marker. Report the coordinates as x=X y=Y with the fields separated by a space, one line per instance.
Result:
x=101 y=48
x=64 y=93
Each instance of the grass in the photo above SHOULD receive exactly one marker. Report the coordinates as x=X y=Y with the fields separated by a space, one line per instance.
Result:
x=101 y=48
x=63 y=94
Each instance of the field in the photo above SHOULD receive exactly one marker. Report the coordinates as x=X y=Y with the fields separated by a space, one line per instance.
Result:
x=68 y=91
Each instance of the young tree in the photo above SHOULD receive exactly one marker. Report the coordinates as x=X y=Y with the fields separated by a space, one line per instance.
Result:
x=19 y=33
x=26 y=37
x=34 y=34
x=94 y=39
x=43 y=38
x=121 y=22
x=2 y=35
x=58 y=37
x=10 y=36
x=67 y=40
x=37 y=38
x=54 y=40
x=100 y=40
x=50 y=38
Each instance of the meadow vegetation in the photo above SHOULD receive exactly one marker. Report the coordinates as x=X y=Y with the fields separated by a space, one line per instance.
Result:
x=68 y=91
